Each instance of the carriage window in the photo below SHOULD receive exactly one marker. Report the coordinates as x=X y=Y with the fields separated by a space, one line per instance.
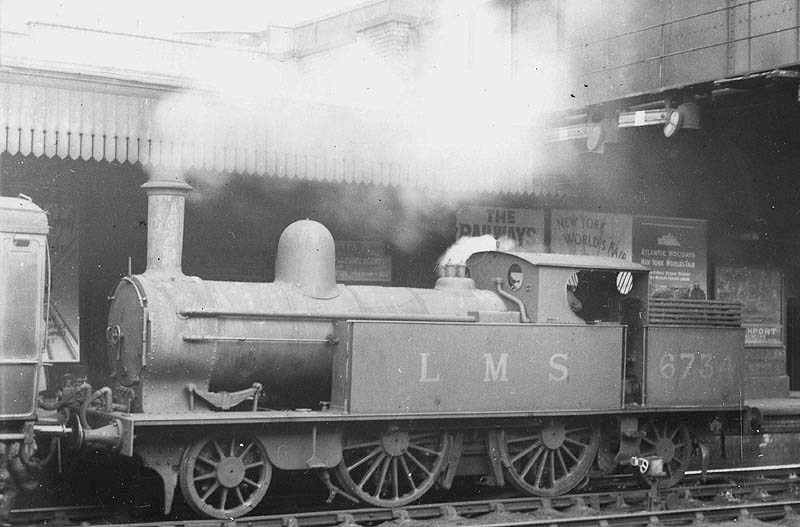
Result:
x=624 y=282
x=21 y=304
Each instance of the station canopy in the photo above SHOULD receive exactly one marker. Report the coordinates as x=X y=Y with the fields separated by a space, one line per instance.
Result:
x=273 y=123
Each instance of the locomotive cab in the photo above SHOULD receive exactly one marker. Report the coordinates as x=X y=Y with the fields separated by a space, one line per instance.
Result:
x=576 y=289
x=566 y=289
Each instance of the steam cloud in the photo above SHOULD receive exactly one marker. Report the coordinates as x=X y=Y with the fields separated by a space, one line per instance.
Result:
x=458 y=127
x=459 y=252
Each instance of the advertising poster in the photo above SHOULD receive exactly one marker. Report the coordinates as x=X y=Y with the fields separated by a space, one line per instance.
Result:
x=676 y=251
x=524 y=227
x=591 y=233
x=760 y=291
x=363 y=262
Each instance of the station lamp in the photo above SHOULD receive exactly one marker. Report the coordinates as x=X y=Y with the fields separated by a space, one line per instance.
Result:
x=595 y=134
x=686 y=115
x=600 y=133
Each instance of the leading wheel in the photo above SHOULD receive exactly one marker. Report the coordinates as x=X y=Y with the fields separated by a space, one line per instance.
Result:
x=395 y=468
x=671 y=442
x=549 y=460
x=225 y=476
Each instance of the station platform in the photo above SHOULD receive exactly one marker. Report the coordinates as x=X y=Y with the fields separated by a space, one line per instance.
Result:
x=773 y=441
x=776 y=415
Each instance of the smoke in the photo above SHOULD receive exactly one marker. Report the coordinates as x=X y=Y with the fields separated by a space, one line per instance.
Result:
x=459 y=252
x=444 y=112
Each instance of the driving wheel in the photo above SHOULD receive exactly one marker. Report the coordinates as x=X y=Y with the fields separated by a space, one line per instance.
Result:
x=551 y=459
x=394 y=468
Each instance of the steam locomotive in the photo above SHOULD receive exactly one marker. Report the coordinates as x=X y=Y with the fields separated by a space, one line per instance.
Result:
x=492 y=374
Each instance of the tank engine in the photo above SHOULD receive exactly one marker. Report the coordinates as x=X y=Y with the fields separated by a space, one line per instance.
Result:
x=392 y=389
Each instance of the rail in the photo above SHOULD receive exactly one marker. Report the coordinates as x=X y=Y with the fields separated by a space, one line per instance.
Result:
x=750 y=497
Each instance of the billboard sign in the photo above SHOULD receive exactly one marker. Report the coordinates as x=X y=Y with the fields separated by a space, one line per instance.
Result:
x=760 y=291
x=524 y=227
x=363 y=262
x=591 y=233
x=676 y=251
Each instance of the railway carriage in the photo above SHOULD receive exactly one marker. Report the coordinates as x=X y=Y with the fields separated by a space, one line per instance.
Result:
x=23 y=266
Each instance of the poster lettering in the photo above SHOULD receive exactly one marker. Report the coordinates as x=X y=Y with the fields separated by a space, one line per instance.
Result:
x=362 y=262
x=523 y=227
x=591 y=233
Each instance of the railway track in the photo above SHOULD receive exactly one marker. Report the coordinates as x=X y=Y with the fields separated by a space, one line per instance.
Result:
x=747 y=496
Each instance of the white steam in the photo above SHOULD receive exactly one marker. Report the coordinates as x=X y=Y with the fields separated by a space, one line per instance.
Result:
x=446 y=114
x=466 y=246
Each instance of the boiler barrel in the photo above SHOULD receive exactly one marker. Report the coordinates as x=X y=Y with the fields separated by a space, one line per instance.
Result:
x=225 y=336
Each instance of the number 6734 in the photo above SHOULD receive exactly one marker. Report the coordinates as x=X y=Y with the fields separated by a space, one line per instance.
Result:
x=687 y=364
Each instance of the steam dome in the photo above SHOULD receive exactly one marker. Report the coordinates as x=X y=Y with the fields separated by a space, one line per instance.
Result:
x=306 y=259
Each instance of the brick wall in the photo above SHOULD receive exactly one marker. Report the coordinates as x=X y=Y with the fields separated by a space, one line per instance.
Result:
x=390 y=42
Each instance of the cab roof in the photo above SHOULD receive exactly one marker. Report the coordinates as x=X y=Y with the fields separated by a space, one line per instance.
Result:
x=21 y=215
x=572 y=261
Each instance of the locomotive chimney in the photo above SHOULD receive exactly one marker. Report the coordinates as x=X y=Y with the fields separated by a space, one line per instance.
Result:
x=166 y=199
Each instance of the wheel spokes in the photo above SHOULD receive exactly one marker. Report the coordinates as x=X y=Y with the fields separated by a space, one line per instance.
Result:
x=539 y=473
x=217 y=448
x=204 y=477
x=372 y=468
x=207 y=461
x=395 y=479
x=522 y=454
x=423 y=449
x=571 y=455
x=246 y=450
x=523 y=439
x=551 y=460
x=561 y=461
x=408 y=473
x=382 y=478
x=210 y=491
x=364 y=459
x=574 y=442
x=251 y=483
x=217 y=481
x=358 y=446
x=417 y=462
x=672 y=441
x=531 y=462
x=395 y=469
x=223 y=498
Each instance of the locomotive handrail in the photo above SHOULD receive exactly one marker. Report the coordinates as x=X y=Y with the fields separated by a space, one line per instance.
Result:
x=400 y=317
x=212 y=338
